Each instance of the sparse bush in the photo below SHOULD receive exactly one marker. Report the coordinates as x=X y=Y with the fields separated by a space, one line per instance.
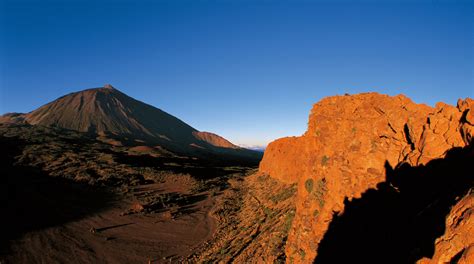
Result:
x=308 y=184
x=320 y=191
x=302 y=253
x=324 y=160
x=284 y=194
x=317 y=191
x=223 y=251
x=289 y=220
x=268 y=212
x=316 y=213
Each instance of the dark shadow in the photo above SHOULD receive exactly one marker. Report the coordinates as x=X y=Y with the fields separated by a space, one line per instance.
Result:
x=198 y=168
x=400 y=221
x=112 y=227
x=33 y=200
x=457 y=257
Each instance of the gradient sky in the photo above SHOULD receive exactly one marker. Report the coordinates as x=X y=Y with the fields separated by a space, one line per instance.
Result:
x=247 y=70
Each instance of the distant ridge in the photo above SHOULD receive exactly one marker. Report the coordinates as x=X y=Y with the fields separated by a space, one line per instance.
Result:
x=259 y=148
x=214 y=139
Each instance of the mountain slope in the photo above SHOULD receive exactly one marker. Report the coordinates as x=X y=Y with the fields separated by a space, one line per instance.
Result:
x=214 y=140
x=109 y=112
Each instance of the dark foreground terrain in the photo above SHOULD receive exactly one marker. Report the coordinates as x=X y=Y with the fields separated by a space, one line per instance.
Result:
x=71 y=197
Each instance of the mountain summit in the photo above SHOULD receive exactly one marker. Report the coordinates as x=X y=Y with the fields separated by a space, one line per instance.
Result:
x=107 y=111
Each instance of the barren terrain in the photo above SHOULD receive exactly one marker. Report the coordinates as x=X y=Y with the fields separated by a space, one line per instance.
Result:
x=374 y=179
x=74 y=199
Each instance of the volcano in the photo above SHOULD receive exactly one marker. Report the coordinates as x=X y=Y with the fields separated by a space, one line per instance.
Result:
x=106 y=111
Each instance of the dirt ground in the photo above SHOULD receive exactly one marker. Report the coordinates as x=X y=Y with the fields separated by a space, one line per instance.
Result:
x=120 y=235
x=242 y=218
x=68 y=198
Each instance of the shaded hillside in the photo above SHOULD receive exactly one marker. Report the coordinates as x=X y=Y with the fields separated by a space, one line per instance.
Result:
x=108 y=112
x=343 y=154
x=82 y=158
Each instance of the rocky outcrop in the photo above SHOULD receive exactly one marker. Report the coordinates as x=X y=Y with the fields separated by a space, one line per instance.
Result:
x=349 y=144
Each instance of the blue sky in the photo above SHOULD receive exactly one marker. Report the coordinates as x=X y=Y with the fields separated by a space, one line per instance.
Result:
x=247 y=70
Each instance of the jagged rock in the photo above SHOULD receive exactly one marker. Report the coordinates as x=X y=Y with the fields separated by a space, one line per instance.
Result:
x=457 y=243
x=345 y=150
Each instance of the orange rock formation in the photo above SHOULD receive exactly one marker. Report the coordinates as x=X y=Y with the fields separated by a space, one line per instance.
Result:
x=344 y=153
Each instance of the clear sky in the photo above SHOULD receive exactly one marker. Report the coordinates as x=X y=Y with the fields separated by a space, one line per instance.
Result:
x=247 y=70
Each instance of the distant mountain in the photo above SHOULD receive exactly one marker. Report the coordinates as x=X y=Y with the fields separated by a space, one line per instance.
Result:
x=214 y=140
x=108 y=112
x=258 y=148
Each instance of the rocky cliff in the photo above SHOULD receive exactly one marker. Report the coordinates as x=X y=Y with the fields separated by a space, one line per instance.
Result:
x=352 y=147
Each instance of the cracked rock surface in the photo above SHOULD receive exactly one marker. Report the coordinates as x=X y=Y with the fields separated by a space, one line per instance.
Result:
x=350 y=143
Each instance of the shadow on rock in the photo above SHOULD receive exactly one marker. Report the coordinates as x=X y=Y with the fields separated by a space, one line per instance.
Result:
x=400 y=220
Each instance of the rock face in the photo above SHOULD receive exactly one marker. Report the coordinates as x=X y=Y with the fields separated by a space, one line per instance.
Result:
x=350 y=144
x=457 y=244
x=107 y=111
